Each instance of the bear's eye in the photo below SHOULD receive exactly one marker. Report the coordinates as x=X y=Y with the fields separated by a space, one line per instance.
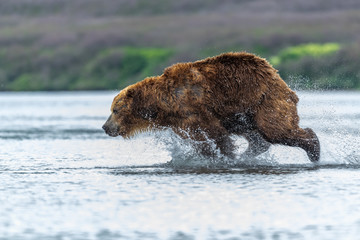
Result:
x=122 y=107
x=116 y=111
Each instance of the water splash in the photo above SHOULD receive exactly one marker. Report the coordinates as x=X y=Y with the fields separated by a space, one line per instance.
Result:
x=333 y=116
x=337 y=148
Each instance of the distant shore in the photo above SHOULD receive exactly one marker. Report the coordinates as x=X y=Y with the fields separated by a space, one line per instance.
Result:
x=104 y=45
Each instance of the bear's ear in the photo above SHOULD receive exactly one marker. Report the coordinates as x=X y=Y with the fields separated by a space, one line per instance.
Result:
x=149 y=113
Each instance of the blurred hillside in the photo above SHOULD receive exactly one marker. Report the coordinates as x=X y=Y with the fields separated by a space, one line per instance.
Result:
x=91 y=44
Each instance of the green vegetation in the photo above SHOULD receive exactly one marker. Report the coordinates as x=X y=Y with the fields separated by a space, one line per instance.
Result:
x=320 y=66
x=116 y=68
x=296 y=53
x=97 y=45
x=110 y=68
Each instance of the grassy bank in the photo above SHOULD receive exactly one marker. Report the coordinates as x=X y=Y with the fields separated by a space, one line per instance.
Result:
x=320 y=66
x=82 y=45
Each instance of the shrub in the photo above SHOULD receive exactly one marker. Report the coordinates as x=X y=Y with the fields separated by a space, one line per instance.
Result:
x=336 y=70
x=116 y=68
x=304 y=50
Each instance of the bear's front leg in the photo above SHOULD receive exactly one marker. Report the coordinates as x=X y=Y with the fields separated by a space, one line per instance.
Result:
x=209 y=146
x=208 y=138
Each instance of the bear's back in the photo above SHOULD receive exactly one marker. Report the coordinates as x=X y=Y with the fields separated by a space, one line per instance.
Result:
x=241 y=81
x=236 y=58
x=237 y=80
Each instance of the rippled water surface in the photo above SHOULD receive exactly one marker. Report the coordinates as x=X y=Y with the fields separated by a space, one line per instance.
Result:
x=61 y=177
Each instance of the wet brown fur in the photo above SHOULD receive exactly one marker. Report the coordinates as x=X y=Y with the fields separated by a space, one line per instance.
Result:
x=233 y=93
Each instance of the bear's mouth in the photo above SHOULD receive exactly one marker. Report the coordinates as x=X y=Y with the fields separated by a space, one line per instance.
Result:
x=112 y=133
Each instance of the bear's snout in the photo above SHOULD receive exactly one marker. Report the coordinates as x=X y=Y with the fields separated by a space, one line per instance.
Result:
x=110 y=128
x=106 y=128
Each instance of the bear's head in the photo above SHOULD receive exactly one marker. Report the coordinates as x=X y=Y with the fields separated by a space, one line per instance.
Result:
x=130 y=114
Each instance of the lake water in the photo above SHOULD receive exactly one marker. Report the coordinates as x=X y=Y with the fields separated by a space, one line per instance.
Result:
x=61 y=177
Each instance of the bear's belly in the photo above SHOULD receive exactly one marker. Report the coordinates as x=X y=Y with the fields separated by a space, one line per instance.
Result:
x=239 y=123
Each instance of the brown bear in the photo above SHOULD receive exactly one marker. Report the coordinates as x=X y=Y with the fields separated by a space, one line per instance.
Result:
x=211 y=99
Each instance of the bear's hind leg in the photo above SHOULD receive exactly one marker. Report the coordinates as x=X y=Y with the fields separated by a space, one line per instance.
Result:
x=296 y=137
x=277 y=120
x=307 y=140
x=257 y=144
x=303 y=138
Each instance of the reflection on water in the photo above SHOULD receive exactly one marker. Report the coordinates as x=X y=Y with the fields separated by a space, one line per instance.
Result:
x=63 y=178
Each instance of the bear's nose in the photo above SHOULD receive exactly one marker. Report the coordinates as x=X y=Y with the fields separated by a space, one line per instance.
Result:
x=106 y=128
